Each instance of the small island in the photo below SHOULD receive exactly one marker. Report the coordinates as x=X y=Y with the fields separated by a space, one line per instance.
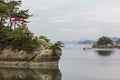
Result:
x=106 y=42
x=19 y=47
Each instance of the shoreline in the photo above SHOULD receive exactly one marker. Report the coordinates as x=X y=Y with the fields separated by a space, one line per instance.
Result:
x=24 y=64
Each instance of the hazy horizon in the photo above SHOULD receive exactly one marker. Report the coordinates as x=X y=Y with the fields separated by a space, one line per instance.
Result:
x=74 y=19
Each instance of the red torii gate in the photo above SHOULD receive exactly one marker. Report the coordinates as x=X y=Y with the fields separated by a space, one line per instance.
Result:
x=15 y=20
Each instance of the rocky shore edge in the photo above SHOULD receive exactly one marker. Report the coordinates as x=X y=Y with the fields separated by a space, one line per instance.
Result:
x=40 y=58
x=23 y=64
x=111 y=46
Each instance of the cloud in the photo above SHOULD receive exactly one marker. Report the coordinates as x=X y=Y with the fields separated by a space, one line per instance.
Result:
x=61 y=19
x=66 y=18
x=70 y=17
x=106 y=14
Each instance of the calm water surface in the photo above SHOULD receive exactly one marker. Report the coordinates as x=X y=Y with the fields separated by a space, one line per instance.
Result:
x=75 y=64
x=90 y=64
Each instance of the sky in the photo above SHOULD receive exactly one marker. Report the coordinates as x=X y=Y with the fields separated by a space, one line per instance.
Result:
x=67 y=20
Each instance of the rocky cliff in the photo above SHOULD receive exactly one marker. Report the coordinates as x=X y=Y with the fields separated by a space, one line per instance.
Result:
x=42 y=56
x=29 y=74
x=113 y=45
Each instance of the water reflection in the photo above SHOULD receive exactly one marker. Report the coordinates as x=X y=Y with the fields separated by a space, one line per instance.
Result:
x=104 y=52
x=29 y=74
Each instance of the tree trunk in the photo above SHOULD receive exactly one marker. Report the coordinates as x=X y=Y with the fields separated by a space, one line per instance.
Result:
x=10 y=23
x=0 y=21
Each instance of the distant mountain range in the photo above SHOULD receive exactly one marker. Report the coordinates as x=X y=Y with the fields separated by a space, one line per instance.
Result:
x=77 y=42
x=115 y=39
x=87 y=41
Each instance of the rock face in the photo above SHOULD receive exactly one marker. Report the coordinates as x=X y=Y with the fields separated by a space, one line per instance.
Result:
x=113 y=45
x=103 y=46
x=39 y=57
x=29 y=74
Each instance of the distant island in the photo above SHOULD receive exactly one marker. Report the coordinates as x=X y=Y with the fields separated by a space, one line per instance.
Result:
x=18 y=45
x=106 y=42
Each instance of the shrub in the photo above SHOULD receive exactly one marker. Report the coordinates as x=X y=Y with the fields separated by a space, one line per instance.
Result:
x=55 y=47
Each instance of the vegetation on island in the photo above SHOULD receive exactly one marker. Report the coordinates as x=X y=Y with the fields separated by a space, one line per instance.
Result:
x=20 y=38
x=106 y=42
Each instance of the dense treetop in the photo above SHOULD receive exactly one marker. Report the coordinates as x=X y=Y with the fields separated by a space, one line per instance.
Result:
x=104 y=41
x=9 y=9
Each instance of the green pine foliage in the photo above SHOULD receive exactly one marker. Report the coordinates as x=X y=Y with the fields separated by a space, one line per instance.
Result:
x=23 y=39
x=104 y=41
x=17 y=39
x=56 y=46
x=11 y=9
